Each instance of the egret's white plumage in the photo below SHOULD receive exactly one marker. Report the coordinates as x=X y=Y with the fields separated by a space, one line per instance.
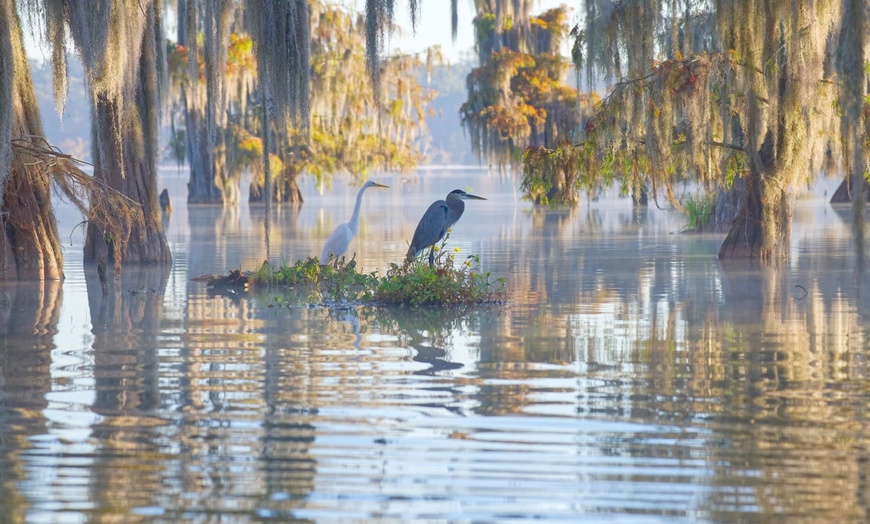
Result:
x=339 y=240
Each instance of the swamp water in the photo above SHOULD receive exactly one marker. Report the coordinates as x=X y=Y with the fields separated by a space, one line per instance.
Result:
x=632 y=378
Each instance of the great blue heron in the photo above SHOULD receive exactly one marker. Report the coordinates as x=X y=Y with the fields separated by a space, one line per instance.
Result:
x=339 y=240
x=440 y=217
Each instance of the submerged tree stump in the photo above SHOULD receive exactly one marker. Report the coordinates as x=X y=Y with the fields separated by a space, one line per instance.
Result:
x=165 y=203
x=843 y=194
x=236 y=279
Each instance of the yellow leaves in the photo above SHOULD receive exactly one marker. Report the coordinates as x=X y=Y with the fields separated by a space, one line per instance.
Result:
x=252 y=145
x=515 y=94
x=240 y=55
x=396 y=107
x=735 y=56
x=275 y=163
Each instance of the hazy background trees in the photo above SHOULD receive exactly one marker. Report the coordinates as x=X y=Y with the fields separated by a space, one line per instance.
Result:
x=740 y=98
x=745 y=100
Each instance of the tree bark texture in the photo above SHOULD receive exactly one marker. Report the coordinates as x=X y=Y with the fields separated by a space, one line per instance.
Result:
x=136 y=180
x=762 y=227
x=202 y=187
x=29 y=247
x=124 y=159
x=726 y=207
x=284 y=188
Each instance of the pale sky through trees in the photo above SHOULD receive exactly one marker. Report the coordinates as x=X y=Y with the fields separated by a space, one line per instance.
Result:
x=433 y=27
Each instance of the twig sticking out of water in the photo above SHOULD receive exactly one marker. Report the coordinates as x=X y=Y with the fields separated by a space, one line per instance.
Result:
x=802 y=289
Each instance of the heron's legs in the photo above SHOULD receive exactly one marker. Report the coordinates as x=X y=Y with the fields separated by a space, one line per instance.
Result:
x=432 y=256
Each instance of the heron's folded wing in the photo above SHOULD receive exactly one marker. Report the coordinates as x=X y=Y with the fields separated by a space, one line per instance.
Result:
x=431 y=227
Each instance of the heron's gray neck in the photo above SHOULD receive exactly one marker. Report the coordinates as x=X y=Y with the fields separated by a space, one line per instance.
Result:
x=456 y=206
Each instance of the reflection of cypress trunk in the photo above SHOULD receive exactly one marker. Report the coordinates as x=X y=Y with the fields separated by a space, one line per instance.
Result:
x=127 y=317
x=28 y=320
x=29 y=247
x=124 y=159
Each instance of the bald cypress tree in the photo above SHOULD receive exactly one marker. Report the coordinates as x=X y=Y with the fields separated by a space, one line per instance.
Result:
x=281 y=33
x=851 y=64
x=29 y=247
x=124 y=78
x=517 y=96
x=731 y=94
x=201 y=93
x=29 y=164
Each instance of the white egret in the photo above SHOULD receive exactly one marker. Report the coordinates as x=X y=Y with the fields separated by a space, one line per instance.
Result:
x=338 y=242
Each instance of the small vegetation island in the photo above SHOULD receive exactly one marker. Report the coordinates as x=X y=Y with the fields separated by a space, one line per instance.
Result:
x=745 y=103
x=331 y=279
x=450 y=282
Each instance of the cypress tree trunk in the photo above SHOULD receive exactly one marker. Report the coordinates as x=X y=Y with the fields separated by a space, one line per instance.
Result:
x=762 y=226
x=29 y=239
x=29 y=247
x=843 y=194
x=124 y=159
x=206 y=144
x=726 y=207
x=201 y=189
x=284 y=188
x=281 y=185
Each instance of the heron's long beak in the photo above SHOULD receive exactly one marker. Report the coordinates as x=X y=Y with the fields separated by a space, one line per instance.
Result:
x=379 y=185
x=472 y=197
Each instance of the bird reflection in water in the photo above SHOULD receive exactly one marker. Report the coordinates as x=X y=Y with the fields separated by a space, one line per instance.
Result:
x=425 y=330
x=435 y=357
x=351 y=317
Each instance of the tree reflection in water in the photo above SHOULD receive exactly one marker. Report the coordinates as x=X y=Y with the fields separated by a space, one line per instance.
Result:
x=631 y=367
x=28 y=320
x=129 y=431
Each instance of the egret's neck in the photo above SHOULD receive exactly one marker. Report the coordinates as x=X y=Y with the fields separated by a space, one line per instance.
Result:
x=354 y=219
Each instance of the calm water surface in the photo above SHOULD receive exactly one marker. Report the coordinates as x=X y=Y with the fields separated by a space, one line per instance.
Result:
x=632 y=378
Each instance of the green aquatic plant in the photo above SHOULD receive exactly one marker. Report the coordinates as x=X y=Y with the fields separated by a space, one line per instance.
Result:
x=698 y=210
x=336 y=281
x=449 y=282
